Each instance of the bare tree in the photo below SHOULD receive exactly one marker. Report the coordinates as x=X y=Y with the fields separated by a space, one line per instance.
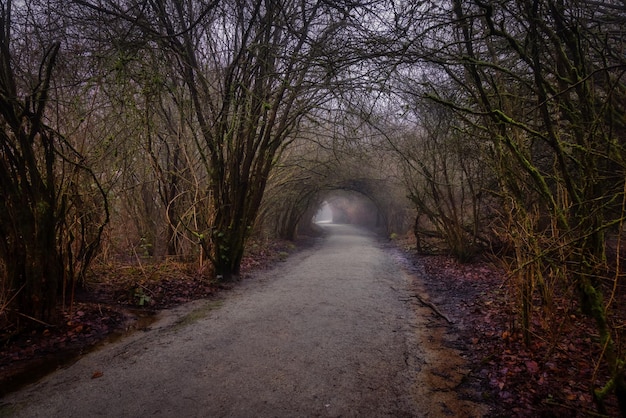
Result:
x=447 y=174
x=544 y=83
x=46 y=216
x=252 y=69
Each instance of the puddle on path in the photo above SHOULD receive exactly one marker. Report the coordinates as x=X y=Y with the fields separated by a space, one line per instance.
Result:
x=37 y=368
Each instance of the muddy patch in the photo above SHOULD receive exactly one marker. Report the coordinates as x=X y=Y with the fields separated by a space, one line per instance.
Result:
x=28 y=358
x=442 y=370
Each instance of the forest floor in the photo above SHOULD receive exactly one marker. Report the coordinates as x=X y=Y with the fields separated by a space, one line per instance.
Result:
x=550 y=377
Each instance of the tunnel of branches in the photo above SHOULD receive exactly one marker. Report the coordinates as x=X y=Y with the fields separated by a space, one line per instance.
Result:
x=365 y=202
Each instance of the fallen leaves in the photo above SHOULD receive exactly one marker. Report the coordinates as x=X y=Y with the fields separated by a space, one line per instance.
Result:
x=551 y=377
x=532 y=366
x=29 y=353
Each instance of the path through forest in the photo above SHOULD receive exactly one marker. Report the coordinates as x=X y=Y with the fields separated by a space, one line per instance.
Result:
x=330 y=332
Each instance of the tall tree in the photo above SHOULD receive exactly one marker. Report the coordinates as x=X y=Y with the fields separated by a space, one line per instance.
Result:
x=544 y=82
x=253 y=69
x=42 y=211
x=446 y=172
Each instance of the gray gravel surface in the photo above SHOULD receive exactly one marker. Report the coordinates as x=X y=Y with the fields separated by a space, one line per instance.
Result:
x=331 y=332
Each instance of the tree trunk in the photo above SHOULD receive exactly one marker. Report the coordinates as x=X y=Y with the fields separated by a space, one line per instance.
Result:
x=34 y=265
x=228 y=243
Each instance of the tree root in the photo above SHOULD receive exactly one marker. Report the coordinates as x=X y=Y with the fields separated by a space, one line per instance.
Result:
x=431 y=306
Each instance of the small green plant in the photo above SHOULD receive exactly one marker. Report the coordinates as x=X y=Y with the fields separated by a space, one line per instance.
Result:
x=145 y=245
x=198 y=313
x=282 y=255
x=140 y=297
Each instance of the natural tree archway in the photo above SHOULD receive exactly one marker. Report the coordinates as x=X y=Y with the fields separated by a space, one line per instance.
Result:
x=206 y=120
x=379 y=212
x=354 y=182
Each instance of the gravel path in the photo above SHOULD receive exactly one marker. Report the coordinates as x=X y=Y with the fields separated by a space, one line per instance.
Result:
x=331 y=332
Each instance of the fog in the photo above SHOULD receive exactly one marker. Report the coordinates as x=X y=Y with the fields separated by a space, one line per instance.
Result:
x=324 y=214
x=348 y=208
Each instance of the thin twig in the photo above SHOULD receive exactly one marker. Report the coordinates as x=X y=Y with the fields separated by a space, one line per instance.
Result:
x=34 y=319
x=572 y=408
x=431 y=306
x=8 y=302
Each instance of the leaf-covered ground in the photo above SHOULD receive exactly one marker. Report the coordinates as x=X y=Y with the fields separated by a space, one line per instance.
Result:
x=552 y=377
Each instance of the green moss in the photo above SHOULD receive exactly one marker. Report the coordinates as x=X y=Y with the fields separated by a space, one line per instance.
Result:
x=198 y=314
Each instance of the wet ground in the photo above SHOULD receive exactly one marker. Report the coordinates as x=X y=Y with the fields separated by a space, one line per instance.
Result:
x=334 y=331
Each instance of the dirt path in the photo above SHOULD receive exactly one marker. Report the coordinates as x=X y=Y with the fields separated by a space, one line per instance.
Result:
x=334 y=331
